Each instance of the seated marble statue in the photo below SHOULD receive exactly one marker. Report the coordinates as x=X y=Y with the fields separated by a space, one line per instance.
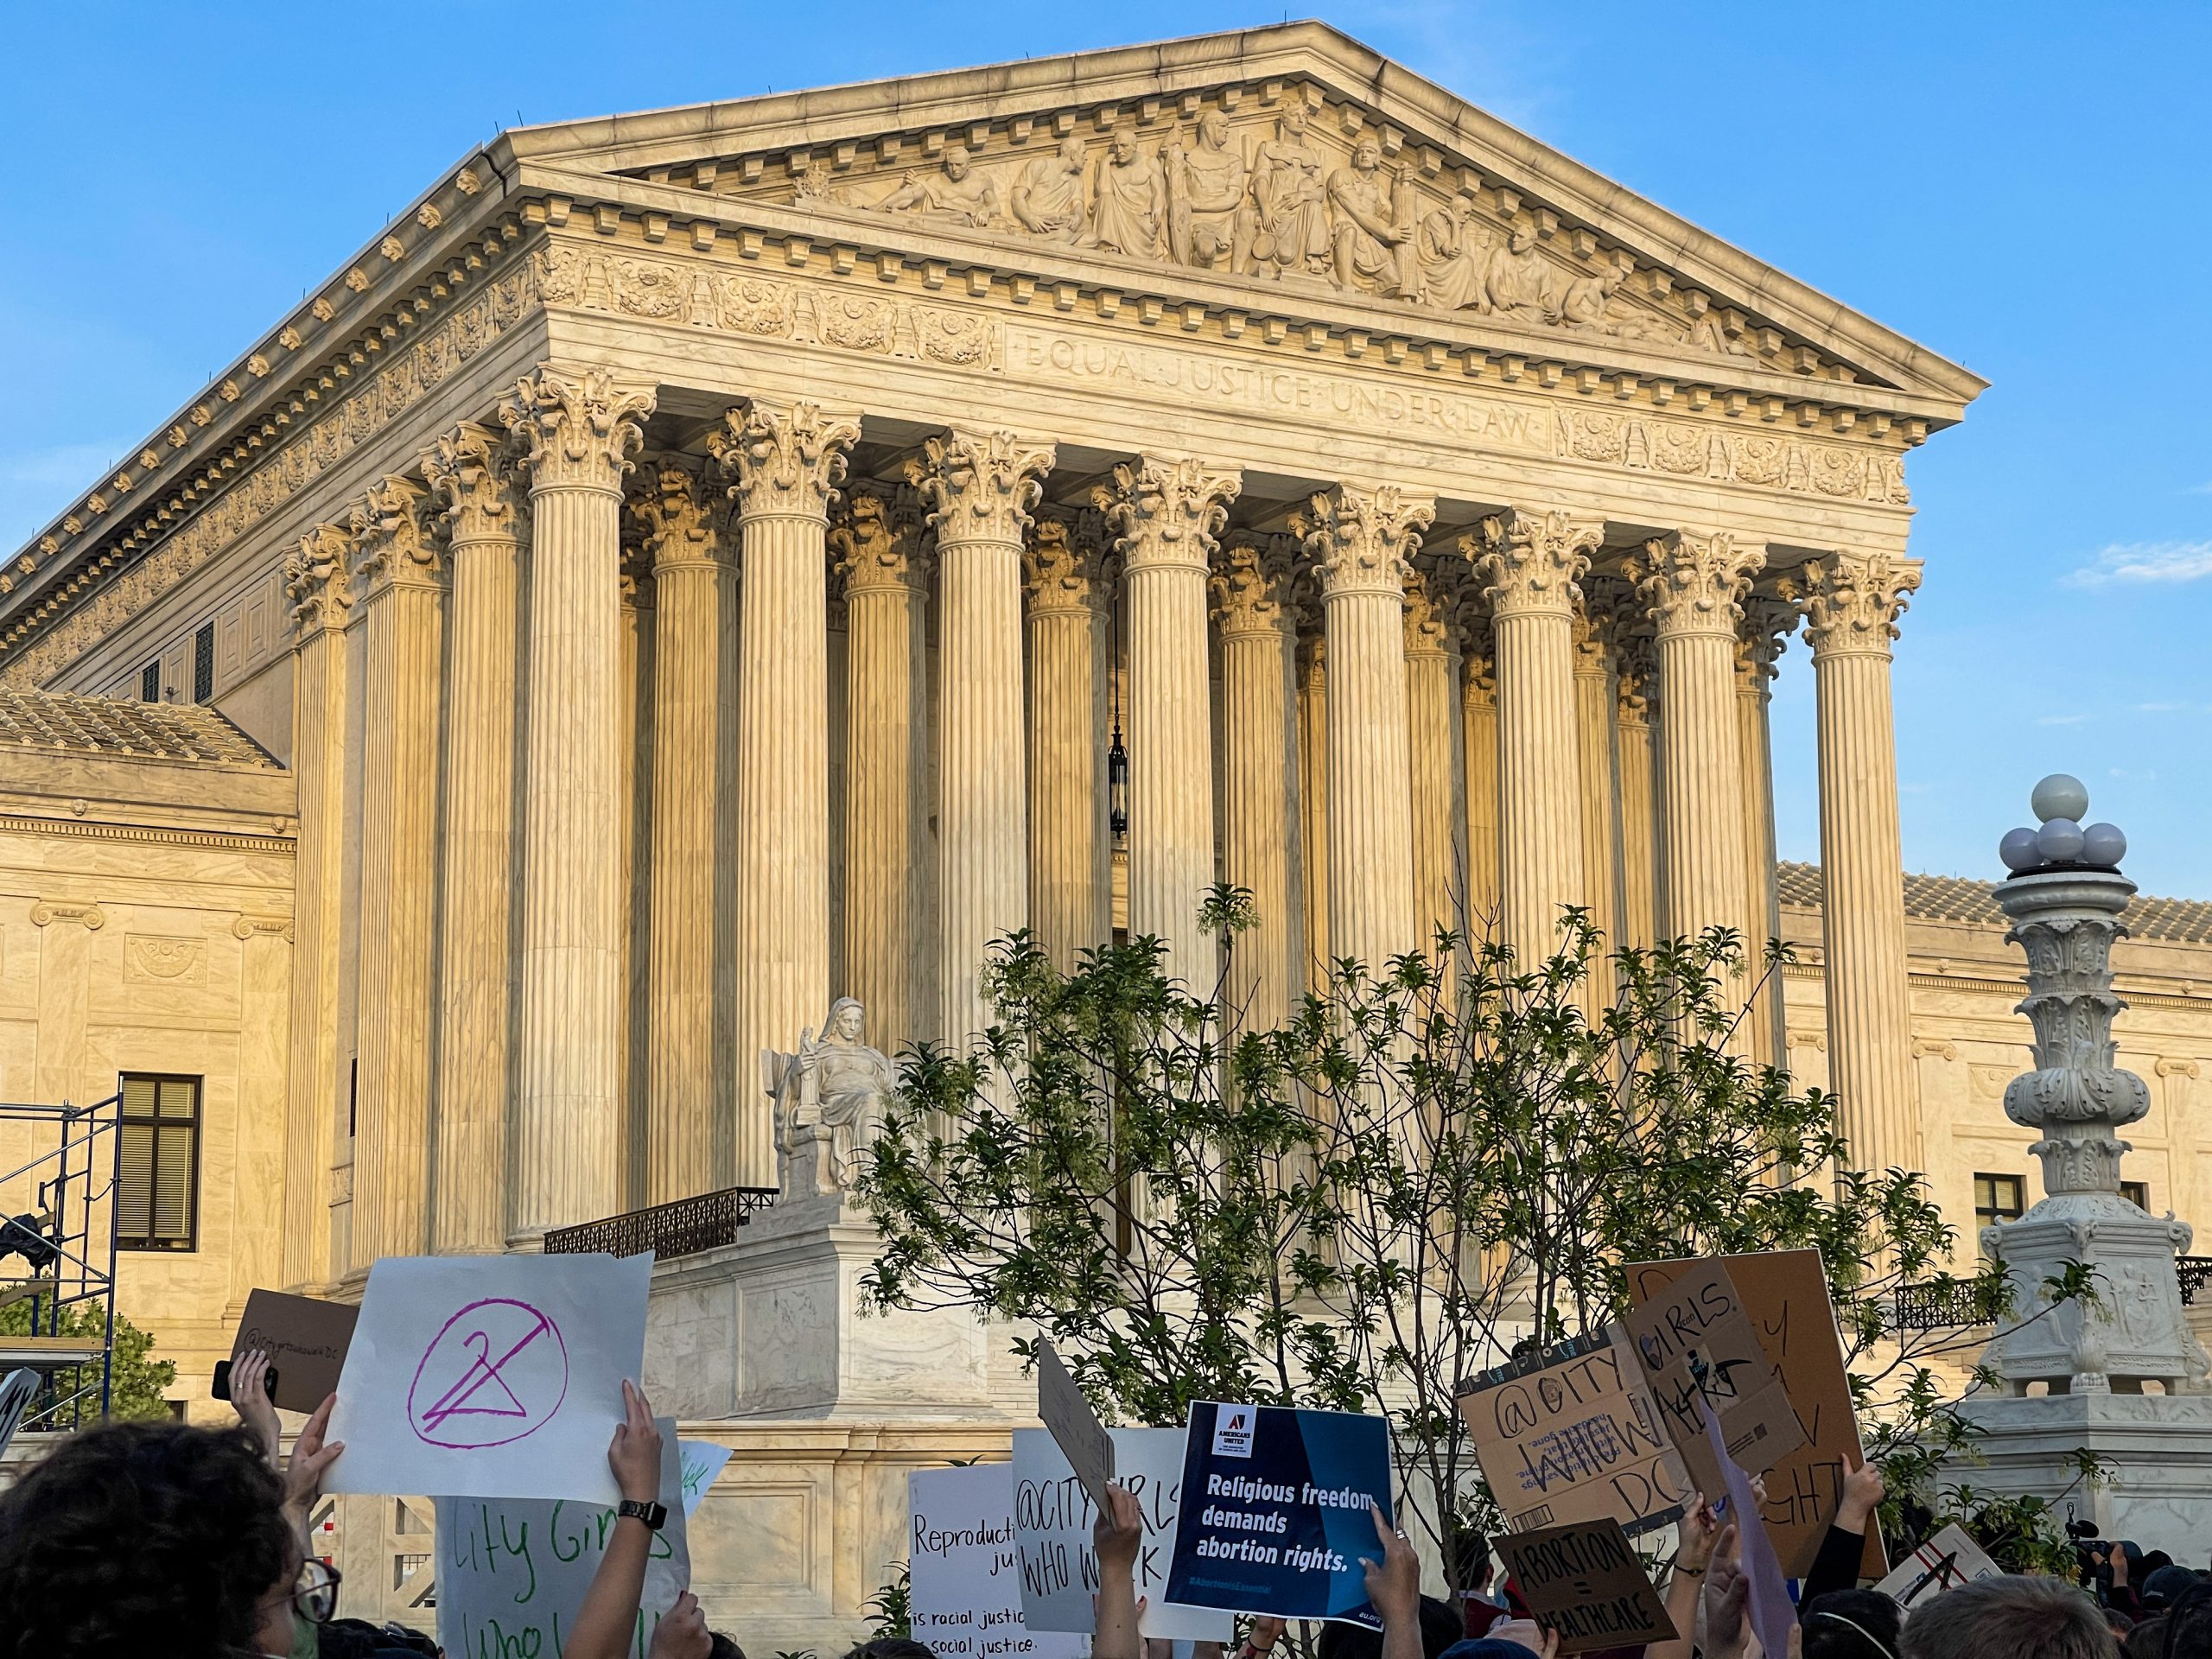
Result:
x=830 y=1098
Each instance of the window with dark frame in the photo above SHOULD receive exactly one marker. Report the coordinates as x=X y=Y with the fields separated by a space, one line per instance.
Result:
x=203 y=663
x=1998 y=1198
x=157 y=1192
x=150 y=683
x=2137 y=1193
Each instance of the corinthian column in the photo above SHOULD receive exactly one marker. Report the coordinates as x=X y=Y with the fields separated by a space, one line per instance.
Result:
x=1767 y=622
x=882 y=555
x=1693 y=586
x=1530 y=562
x=1166 y=515
x=1361 y=543
x=980 y=488
x=690 y=570
x=1478 y=720
x=1638 y=652
x=568 y=1108
x=470 y=472
x=1595 y=690
x=1852 y=603
x=1070 y=844
x=1313 y=785
x=319 y=591
x=1258 y=799
x=400 y=577
x=787 y=463
x=1436 y=749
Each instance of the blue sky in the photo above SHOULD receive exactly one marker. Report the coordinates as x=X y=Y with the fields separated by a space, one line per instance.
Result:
x=2021 y=186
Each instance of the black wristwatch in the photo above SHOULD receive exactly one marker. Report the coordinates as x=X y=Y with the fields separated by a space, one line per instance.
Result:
x=655 y=1516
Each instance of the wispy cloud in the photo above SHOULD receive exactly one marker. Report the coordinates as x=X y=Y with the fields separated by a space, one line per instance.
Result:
x=2060 y=720
x=2142 y=562
x=2145 y=776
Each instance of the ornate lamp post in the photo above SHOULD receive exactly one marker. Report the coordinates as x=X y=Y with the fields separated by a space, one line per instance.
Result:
x=2065 y=897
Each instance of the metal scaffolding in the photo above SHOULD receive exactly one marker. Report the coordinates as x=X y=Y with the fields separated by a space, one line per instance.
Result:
x=57 y=1256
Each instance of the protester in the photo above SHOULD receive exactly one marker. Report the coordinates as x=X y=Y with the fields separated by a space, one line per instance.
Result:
x=1850 y=1624
x=1696 y=1534
x=2009 y=1617
x=2164 y=1584
x=1394 y=1590
x=2189 y=1624
x=1835 y=1566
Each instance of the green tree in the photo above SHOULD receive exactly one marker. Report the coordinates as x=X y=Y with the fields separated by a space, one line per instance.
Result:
x=137 y=1380
x=1424 y=1171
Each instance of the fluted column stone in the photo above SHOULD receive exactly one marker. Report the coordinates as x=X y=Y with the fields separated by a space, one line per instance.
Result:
x=399 y=572
x=1767 y=622
x=319 y=593
x=1595 y=692
x=682 y=542
x=1067 y=563
x=579 y=434
x=1314 y=786
x=1852 y=602
x=786 y=463
x=1166 y=515
x=1360 y=544
x=1261 y=837
x=1436 y=749
x=1478 y=742
x=1693 y=584
x=635 y=744
x=1530 y=562
x=471 y=475
x=981 y=489
x=1637 y=676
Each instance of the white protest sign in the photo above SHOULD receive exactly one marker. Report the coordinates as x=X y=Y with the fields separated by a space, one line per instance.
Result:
x=1052 y=1515
x=703 y=1461
x=965 y=1571
x=512 y=1573
x=1949 y=1559
x=16 y=1391
x=490 y=1376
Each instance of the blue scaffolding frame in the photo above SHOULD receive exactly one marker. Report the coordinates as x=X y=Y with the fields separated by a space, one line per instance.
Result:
x=57 y=1253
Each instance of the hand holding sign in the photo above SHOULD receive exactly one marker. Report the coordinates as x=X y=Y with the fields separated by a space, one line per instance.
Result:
x=1393 y=1583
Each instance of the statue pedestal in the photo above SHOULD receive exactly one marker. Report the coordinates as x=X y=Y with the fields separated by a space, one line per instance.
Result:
x=2159 y=1448
x=774 y=1326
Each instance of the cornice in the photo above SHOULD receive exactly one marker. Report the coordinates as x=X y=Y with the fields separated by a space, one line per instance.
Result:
x=145 y=834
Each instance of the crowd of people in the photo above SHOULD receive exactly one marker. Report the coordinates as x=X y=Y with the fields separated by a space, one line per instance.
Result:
x=161 y=1538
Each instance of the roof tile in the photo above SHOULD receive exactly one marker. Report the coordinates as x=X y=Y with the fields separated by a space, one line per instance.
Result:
x=113 y=726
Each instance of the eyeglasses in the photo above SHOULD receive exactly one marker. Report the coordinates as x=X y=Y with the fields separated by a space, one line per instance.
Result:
x=316 y=1593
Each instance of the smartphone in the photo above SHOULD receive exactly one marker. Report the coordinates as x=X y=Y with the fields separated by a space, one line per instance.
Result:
x=221 y=1386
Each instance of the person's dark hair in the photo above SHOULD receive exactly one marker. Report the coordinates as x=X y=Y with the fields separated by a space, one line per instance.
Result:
x=357 y=1639
x=142 y=1538
x=2154 y=1560
x=2014 y=1616
x=1442 y=1626
x=2165 y=1585
x=889 y=1647
x=2118 y=1623
x=720 y=1647
x=2147 y=1640
x=1850 y=1624
x=2189 y=1622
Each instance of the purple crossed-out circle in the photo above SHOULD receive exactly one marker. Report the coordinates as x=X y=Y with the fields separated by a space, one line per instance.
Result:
x=499 y=1376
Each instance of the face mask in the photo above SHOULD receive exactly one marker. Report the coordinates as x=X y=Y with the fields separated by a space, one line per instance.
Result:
x=307 y=1636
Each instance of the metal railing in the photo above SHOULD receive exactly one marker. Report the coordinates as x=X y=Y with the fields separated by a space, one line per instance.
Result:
x=1943 y=1304
x=683 y=1227
x=2195 y=1272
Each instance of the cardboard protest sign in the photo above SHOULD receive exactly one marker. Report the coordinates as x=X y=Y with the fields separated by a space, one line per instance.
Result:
x=306 y=1340
x=1944 y=1562
x=1574 y=1434
x=16 y=1389
x=512 y=1573
x=703 y=1461
x=1786 y=1295
x=1275 y=1510
x=964 y=1571
x=1700 y=1353
x=1770 y=1608
x=489 y=1375
x=1585 y=1582
x=1052 y=1515
x=1082 y=1438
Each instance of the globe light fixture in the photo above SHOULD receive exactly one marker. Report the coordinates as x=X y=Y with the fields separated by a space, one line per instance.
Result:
x=2059 y=841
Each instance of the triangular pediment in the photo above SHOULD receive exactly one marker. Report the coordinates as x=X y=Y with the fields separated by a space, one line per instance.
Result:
x=1289 y=159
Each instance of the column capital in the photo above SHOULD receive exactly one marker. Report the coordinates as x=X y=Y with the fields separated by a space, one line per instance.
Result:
x=579 y=432
x=471 y=472
x=1693 y=582
x=1529 y=560
x=1433 y=603
x=880 y=538
x=394 y=543
x=1253 y=584
x=1363 y=541
x=1769 y=620
x=1167 y=511
x=1852 y=601
x=674 y=515
x=785 y=460
x=1636 y=656
x=980 y=487
x=318 y=580
x=1066 y=560
x=1478 y=650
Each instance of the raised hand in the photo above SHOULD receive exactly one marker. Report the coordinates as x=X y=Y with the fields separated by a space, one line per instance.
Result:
x=310 y=1456
x=1119 y=1529
x=249 y=1399
x=1863 y=1492
x=1728 y=1591
x=682 y=1632
x=635 y=1455
x=1393 y=1584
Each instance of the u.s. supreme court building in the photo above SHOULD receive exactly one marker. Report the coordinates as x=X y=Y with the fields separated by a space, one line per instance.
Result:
x=692 y=567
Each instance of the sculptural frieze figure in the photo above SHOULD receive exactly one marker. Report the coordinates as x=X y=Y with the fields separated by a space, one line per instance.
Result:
x=1209 y=217
x=1047 y=198
x=1372 y=237
x=1452 y=248
x=957 y=191
x=1518 y=282
x=1290 y=199
x=1129 y=209
x=830 y=1098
